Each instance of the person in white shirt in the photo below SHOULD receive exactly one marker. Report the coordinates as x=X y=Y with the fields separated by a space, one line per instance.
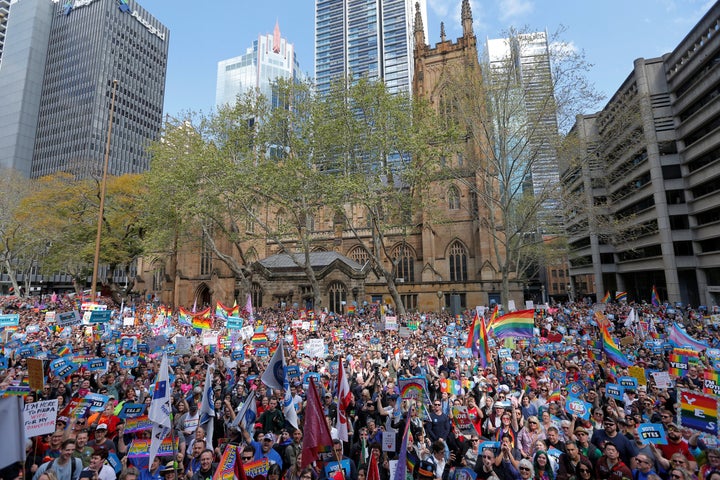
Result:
x=66 y=467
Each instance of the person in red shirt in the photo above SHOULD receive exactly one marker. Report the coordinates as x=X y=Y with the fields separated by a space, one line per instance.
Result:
x=675 y=444
x=610 y=467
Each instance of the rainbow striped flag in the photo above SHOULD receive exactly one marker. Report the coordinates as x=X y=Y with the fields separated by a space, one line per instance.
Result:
x=64 y=350
x=519 y=324
x=699 y=412
x=351 y=309
x=493 y=318
x=259 y=339
x=621 y=296
x=675 y=360
x=450 y=386
x=555 y=396
x=202 y=320
x=184 y=317
x=654 y=297
x=473 y=334
x=606 y=298
x=612 y=351
x=483 y=346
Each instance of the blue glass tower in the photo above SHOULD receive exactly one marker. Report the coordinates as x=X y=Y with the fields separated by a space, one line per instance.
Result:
x=372 y=38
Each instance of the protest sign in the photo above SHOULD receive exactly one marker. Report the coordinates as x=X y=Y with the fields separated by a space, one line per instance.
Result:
x=662 y=380
x=711 y=382
x=257 y=469
x=9 y=320
x=226 y=466
x=67 y=319
x=40 y=417
x=628 y=383
x=140 y=448
x=315 y=347
x=465 y=474
x=638 y=373
x=333 y=467
x=652 y=433
x=579 y=407
x=699 y=412
x=462 y=420
x=613 y=390
x=132 y=410
x=388 y=441
x=36 y=376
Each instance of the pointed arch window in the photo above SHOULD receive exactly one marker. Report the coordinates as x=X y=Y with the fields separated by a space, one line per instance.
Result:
x=453 y=197
x=359 y=254
x=404 y=257
x=337 y=293
x=256 y=294
x=458 y=262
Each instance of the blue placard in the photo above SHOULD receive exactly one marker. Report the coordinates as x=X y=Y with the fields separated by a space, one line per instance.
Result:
x=557 y=375
x=97 y=364
x=262 y=352
x=308 y=376
x=10 y=320
x=62 y=367
x=613 y=390
x=576 y=388
x=3 y=363
x=465 y=474
x=652 y=433
x=293 y=373
x=237 y=354
x=628 y=383
x=97 y=401
x=127 y=343
x=132 y=410
x=578 y=407
x=464 y=352
x=143 y=348
x=333 y=368
x=114 y=462
x=511 y=368
x=235 y=323
x=128 y=362
x=100 y=316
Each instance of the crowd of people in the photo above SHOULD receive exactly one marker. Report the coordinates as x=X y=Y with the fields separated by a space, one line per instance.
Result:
x=519 y=423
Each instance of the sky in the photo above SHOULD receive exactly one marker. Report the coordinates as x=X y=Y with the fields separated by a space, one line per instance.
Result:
x=611 y=33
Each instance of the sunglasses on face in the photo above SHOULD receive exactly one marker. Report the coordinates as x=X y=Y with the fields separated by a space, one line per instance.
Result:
x=524 y=469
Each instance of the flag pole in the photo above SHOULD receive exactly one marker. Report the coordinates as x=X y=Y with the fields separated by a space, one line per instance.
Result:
x=103 y=184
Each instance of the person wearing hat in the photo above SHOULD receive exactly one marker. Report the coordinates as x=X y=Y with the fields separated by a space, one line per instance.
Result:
x=168 y=471
x=610 y=433
x=675 y=444
x=101 y=439
x=587 y=449
x=264 y=448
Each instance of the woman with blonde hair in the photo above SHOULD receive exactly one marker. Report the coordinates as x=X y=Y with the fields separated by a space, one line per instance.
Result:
x=528 y=437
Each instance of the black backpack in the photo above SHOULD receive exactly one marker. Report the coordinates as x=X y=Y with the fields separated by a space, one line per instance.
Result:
x=72 y=466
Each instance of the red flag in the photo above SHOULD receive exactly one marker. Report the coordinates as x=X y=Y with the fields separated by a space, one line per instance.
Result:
x=373 y=471
x=296 y=344
x=344 y=399
x=239 y=468
x=316 y=435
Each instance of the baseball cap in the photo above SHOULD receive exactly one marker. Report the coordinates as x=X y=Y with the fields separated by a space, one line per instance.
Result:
x=102 y=426
x=580 y=430
x=269 y=436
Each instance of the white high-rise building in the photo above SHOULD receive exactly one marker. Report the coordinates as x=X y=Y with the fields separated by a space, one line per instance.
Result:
x=270 y=57
x=366 y=37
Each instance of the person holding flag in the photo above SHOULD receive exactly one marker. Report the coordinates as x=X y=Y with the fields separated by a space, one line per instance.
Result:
x=160 y=411
x=275 y=377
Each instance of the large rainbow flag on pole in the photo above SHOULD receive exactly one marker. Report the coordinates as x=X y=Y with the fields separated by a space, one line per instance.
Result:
x=621 y=296
x=606 y=298
x=483 y=346
x=519 y=324
x=612 y=351
x=473 y=334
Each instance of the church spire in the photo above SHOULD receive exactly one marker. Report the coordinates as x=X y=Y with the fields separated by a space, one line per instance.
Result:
x=419 y=29
x=442 y=31
x=467 y=20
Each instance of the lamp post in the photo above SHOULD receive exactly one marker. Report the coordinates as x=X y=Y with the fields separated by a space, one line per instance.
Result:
x=439 y=295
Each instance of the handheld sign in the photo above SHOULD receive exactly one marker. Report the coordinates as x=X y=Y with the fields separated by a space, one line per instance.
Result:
x=652 y=433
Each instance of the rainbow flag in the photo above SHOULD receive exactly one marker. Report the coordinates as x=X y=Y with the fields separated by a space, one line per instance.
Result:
x=676 y=359
x=221 y=311
x=259 y=339
x=493 y=319
x=612 y=351
x=606 y=298
x=202 y=320
x=483 y=346
x=184 y=317
x=621 y=296
x=518 y=324
x=555 y=396
x=64 y=350
x=473 y=334
x=450 y=386
x=351 y=309
x=699 y=412
x=654 y=297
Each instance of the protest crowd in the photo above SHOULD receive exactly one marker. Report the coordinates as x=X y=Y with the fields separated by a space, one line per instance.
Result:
x=579 y=391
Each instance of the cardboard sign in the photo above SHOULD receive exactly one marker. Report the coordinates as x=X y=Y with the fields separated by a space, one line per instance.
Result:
x=613 y=390
x=638 y=373
x=140 y=448
x=388 y=441
x=40 y=417
x=36 y=376
x=662 y=380
x=699 y=412
x=67 y=319
x=462 y=421
x=10 y=320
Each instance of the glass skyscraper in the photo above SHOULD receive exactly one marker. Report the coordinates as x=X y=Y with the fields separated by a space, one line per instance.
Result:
x=84 y=46
x=270 y=57
x=372 y=38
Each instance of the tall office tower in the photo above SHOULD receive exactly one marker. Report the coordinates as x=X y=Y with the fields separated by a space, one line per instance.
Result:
x=4 y=11
x=21 y=77
x=366 y=37
x=270 y=57
x=528 y=57
x=92 y=43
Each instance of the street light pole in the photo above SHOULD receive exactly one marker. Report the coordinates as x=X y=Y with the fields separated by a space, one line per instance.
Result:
x=101 y=213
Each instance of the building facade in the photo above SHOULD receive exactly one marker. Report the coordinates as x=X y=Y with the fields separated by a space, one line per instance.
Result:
x=21 y=74
x=443 y=259
x=4 y=13
x=89 y=45
x=270 y=57
x=365 y=38
x=646 y=180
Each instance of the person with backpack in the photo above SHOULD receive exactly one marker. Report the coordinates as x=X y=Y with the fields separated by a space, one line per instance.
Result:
x=66 y=466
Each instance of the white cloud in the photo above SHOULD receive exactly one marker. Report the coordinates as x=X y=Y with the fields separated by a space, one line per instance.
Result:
x=441 y=7
x=563 y=48
x=515 y=8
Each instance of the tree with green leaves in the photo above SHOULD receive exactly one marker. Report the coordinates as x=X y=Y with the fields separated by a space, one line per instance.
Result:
x=516 y=114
